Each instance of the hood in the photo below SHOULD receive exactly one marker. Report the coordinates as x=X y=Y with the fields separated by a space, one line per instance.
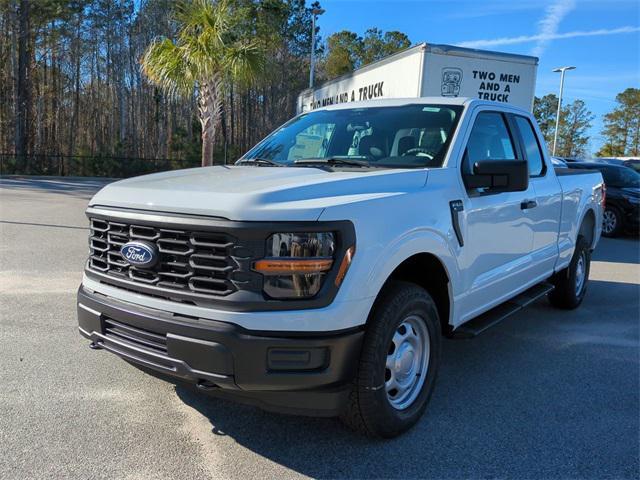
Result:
x=256 y=193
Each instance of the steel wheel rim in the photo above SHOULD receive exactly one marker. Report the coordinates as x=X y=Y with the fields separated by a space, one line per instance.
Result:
x=581 y=270
x=609 y=221
x=407 y=362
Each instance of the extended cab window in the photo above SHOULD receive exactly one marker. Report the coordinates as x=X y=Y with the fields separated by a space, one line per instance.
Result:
x=489 y=140
x=532 y=148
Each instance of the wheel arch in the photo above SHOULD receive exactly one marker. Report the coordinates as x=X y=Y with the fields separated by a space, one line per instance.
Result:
x=429 y=272
x=588 y=227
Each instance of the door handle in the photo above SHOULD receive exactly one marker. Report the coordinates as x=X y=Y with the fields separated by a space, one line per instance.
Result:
x=527 y=204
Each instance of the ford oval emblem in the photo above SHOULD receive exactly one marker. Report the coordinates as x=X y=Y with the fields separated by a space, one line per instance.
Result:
x=140 y=254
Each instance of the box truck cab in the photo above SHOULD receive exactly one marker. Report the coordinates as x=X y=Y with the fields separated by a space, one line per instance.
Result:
x=319 y=274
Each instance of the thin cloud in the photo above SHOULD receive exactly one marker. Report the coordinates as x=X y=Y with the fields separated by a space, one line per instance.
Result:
x=494 y=42
x=475 y=9
x=548 y=26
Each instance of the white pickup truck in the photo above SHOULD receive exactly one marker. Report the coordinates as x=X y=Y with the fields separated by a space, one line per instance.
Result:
x=319 y=273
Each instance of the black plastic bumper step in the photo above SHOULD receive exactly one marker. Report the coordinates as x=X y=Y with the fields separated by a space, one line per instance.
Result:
x=494 y=316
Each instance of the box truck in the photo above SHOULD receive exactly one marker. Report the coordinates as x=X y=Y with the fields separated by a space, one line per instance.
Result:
x=428 y=70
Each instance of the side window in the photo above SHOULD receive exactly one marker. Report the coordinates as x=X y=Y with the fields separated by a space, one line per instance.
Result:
x=489 y=140
x=532 y=148
x=312 y=142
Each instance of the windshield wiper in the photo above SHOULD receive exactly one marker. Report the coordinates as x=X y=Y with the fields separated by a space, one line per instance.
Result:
x=332 y=161
x=259 y=161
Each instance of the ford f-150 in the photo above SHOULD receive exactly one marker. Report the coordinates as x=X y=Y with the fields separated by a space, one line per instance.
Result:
x=319 y=273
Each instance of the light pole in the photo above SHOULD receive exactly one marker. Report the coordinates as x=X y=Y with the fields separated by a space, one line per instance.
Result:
x=314 y=13
x=555 y=134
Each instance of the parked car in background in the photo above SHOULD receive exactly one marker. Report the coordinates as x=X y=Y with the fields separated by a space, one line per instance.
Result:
x=571 y=159
x=633 y=163
x=622 y=209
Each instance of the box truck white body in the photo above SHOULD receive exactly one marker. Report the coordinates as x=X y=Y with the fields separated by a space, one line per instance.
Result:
x=432 y=71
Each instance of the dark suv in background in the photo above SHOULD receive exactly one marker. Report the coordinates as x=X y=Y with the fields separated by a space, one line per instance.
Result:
x=622 y=209
x=632 y=163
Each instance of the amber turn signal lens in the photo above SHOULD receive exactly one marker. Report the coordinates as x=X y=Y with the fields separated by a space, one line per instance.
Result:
x=273 y=266
x=344 y=265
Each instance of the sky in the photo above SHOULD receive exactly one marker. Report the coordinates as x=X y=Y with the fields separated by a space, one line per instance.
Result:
x=601 y=38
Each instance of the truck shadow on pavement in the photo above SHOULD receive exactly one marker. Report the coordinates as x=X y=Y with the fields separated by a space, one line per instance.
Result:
x=534 y=397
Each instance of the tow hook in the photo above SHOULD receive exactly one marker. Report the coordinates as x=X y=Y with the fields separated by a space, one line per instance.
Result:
x=94 y=346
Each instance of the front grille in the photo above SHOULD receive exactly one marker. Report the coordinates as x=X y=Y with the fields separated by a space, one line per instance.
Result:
x=135 y=336
x=190 y=261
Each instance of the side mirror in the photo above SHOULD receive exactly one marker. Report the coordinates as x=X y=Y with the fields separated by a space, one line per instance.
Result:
x=499 y=175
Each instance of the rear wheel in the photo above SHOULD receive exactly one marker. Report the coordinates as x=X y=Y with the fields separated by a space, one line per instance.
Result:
x=611 y=222
x=571 y=282
x=398 y=364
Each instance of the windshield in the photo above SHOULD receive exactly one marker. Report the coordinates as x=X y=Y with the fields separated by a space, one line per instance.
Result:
x=620 y=177
x=633 y=164
x=410 y=136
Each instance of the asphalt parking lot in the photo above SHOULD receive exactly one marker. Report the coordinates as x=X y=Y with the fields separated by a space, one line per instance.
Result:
x=545 y=394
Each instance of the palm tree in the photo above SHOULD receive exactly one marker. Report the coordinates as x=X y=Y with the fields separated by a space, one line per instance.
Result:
x=206 y=53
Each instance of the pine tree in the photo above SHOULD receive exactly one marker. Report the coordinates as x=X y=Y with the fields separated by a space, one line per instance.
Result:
x=622 y=126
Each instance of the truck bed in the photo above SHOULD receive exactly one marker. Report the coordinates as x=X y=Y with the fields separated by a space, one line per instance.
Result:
x=577 y=188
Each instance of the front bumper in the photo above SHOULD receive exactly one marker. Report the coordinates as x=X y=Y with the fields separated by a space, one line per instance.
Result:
x=292 y=373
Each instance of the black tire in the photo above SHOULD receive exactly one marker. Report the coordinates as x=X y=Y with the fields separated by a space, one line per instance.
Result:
x=611 y=222
x=370 y=410
x=566 y=294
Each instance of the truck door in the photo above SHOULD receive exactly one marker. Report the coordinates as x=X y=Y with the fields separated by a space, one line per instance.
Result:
x=545 y=216
x=498 y=236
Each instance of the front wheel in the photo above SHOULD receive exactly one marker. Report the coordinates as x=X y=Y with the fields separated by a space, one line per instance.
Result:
x=398 y=364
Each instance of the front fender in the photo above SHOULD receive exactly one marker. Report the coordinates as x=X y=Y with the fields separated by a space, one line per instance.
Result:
x=393 y=229
x=410 y=244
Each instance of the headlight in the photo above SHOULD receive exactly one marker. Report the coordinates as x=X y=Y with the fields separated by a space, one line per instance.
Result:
x=296 y=264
